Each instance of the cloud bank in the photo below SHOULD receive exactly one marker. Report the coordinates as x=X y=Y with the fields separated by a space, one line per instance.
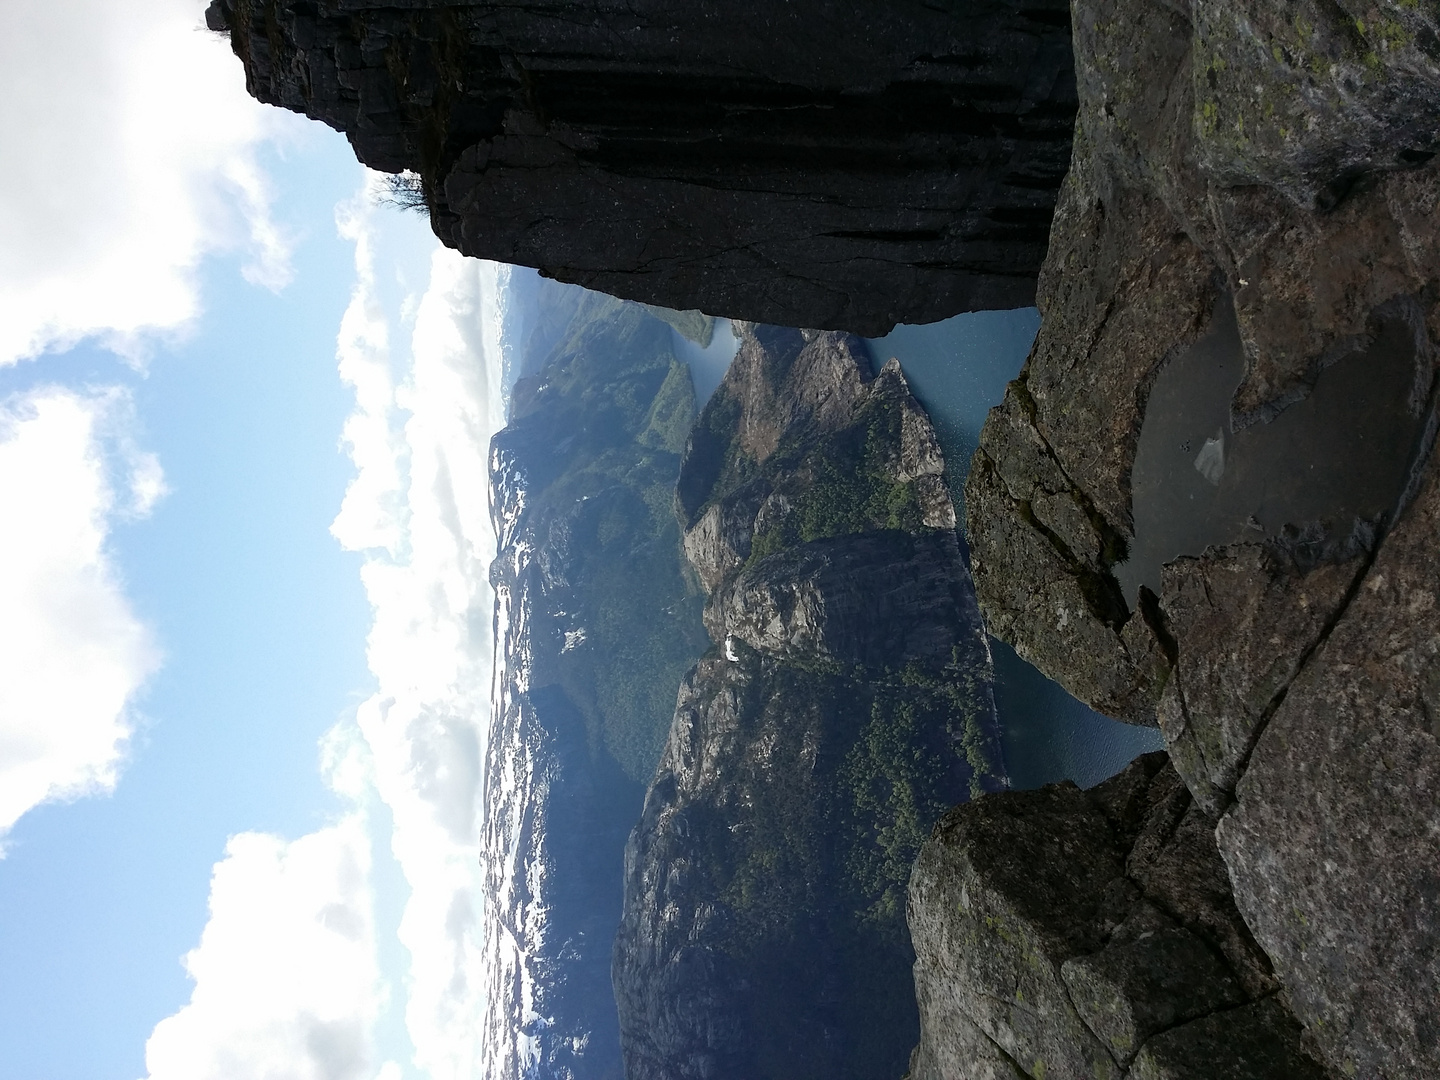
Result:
x=287 y=985
x=73 y=655
x=419 y=509
x=131 y=147
x=286 y=982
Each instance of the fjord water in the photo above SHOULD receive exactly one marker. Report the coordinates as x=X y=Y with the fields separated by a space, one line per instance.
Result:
x=958 y=369
x=709 y=362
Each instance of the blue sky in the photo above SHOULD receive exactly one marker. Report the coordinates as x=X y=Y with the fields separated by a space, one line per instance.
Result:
x=261 y=619
x=239 y=734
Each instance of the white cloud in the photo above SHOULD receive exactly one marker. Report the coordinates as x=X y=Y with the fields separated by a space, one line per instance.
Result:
x=72 y=653
x=372 y=513
x=131 y=144
x=419 y=508
x=286 y=981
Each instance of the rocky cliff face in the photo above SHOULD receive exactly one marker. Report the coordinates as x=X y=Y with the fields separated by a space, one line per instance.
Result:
x=812 y=163
x=596 y=623
x=1096 y=934
x=1073 y=933
x=846 y=703
x=1251 y=199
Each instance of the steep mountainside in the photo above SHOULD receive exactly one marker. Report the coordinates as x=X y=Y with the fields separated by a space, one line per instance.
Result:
x=846 y=703
x=806 y=163
x=596 y=623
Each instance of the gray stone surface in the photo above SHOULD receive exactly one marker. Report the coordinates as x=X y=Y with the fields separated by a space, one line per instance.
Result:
x=1062 y=932
x=1175 y=862
x=1129 y=992
x=1248 y=617
x=1148 y=242
x=853 y=600
x=1121 y=289
x=1334 y=840
x=952 y=1046
x=808 y=163
x=1259 y=1041
x=1274 y=159
x=1306 y=96
x=1008 y=889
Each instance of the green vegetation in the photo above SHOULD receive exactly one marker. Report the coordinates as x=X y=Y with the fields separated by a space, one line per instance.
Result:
x=821 y=780
x=847 y=483
x=862 y=765
x=844 y=776
x=926 y=727
x=864 y=761
x=672 y=413
x=620 y=405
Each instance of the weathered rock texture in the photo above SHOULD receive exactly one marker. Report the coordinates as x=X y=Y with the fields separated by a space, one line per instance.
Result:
x=1148 y=239
x=1334 y=840
x=810 y=163
x=1273 y=161
x=846 y=705
x=1069 y=933
x=804 y=163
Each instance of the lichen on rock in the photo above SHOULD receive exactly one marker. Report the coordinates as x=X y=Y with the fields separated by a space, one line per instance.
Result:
x=1272 y=162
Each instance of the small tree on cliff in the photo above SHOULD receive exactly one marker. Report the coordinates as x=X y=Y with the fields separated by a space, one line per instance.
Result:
x=405 y=190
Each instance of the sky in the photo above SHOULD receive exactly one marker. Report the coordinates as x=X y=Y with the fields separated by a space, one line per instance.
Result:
x=244 y=616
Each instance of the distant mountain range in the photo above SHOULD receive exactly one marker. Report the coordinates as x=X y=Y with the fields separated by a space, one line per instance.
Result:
x=596 y=623
x=598 y=620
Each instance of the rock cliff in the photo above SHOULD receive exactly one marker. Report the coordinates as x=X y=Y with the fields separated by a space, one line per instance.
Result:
x=803 y=163
x=1210 y=502
x=1073 y=933
x=846 y=703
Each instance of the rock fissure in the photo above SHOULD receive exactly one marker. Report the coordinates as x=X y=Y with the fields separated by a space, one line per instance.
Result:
x=1302 y=662
x=1288 y=656
x=1424 y=450
x=1135 y=954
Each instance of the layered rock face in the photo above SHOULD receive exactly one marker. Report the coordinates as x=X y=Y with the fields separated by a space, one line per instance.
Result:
x=807 y=163
x=1251 y=191
x=1073 y=933
x=846 y=704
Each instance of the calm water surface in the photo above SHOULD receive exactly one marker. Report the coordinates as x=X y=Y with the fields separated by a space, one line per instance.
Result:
x=959 y=369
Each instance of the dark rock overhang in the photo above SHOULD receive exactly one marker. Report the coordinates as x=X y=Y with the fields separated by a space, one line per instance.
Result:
x=807 y=163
